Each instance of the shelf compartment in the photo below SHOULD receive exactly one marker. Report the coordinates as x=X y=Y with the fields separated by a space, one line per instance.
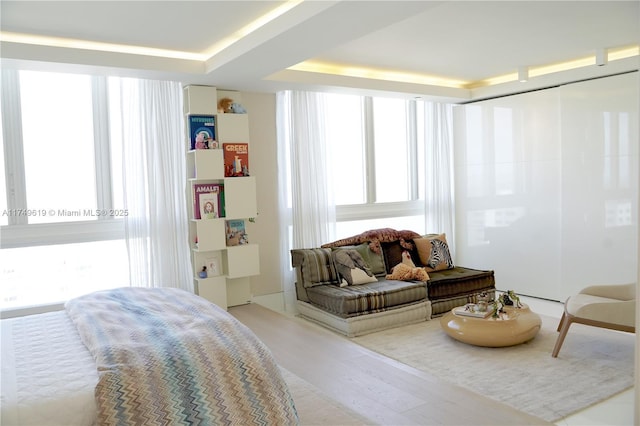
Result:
x=210 y=234
x=205 y=164
x=242 y=261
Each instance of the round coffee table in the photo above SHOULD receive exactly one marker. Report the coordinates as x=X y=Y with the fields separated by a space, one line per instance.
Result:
x=516 y=325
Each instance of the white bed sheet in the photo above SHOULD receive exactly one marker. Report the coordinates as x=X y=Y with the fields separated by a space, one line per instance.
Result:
x=48 y=375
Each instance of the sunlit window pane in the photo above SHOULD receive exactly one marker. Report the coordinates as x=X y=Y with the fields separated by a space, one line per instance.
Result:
x=345 y=134
x=57 y=128
x=391 y=150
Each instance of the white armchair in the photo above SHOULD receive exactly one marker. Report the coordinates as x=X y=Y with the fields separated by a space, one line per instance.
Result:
x=607 y=306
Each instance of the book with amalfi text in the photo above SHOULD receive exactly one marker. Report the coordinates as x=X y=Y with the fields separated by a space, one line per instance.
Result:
x=208 y=200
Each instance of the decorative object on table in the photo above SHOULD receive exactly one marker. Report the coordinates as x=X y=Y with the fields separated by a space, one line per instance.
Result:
x=472 y=310
x=483 y=302
x=508 y=298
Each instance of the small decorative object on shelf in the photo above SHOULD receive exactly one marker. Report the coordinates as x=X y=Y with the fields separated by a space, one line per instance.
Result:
x=228 y=106
x=203 y=272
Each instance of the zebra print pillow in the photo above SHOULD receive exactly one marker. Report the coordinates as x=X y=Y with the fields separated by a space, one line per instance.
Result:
x=434 y=252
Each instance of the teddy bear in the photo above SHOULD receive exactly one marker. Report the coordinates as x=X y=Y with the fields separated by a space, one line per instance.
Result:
x=224 y=105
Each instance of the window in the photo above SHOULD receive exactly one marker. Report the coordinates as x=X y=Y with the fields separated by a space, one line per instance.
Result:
x=60 y=237
x=376 y=153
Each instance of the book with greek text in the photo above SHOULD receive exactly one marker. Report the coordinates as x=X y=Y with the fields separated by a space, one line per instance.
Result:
x=236 y=159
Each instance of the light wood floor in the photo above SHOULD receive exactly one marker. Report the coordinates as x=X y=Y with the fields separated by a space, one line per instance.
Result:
x=377 y=388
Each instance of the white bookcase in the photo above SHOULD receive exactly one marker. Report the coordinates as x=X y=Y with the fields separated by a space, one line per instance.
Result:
x=228 y=268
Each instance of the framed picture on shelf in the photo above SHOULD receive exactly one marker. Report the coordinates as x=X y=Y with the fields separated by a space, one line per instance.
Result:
x=214 y=266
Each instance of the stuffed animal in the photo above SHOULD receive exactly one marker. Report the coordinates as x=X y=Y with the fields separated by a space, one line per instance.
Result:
x=224 y=105
x=236 y=108
x=406 y=259
x=404 y=272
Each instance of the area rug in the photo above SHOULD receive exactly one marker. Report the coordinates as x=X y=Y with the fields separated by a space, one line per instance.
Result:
x=593 y=365
x=315 y=408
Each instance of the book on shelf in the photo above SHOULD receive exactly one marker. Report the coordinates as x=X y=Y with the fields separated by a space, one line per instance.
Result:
x=202 y=131
x=236 y=159
x=208 y=200
x=236 y=232
x=468 y=311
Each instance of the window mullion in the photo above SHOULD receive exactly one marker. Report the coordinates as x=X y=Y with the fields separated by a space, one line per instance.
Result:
x=13 y=150
x=369 y=149
x=101 y=139
x=412 y=136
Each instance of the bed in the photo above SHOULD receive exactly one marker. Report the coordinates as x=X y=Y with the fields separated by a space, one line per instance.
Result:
x=139 y=356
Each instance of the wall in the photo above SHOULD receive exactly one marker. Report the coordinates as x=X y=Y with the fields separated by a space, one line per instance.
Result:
x=547 y=186
x=262 y=133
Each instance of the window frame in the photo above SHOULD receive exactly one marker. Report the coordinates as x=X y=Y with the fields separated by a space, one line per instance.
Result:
x=371 y=209
x=18 y=232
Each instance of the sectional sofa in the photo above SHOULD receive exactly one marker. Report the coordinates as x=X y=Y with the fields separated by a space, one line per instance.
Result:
x=370 y=300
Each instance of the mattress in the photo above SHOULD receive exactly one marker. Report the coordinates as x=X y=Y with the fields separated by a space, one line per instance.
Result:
x=367 y=298
x=48 y=375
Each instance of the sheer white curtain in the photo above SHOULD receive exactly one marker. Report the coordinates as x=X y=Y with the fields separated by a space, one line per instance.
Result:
x=153 y=156
x=439 y=187
x=307 y=209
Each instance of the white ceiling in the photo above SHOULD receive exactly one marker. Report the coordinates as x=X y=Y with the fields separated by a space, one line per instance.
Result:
x=468 y=41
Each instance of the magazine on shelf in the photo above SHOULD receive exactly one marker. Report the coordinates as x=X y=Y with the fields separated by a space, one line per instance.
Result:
x=468 y=311
x=236 y=233
x=208 y=199
x=202 y=131
x=236 y=159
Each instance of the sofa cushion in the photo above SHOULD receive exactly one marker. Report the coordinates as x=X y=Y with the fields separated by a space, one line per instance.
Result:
x=316 y=266
x=367 y=298
x=359 y=277
x=392 y=254
x=433 y=252
x=458 y=281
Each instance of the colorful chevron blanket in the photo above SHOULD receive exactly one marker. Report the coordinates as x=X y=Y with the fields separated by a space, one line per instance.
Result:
x=168 y=357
